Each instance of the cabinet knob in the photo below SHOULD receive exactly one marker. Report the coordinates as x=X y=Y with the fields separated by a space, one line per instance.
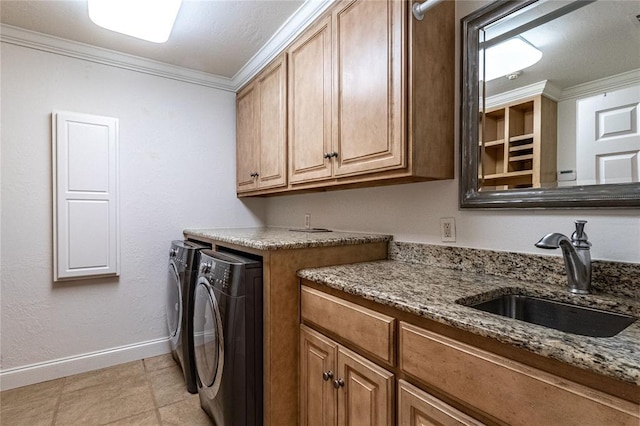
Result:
x=334 y=154
x=254 y=175
x=338 y=383
x=327 y=375
x=328 y=154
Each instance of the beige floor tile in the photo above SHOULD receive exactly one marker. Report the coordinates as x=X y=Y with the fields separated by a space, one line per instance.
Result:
x=168 y=385
x=150 y=418
x=38 y=412
x=27 y=394
x=105 y=403
x=118 y=373
x=159 y=362
x=185 y=412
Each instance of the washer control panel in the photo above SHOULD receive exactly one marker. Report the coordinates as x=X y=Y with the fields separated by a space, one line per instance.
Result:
x=218 y=272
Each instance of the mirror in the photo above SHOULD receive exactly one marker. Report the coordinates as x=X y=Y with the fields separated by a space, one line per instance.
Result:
x=551 y=104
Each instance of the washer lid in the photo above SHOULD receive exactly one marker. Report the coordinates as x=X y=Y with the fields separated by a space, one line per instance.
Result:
x=208 y=336
x=174 y=301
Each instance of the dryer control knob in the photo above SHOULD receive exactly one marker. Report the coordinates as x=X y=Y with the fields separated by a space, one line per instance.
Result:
x=173 y=252
x=206 y=267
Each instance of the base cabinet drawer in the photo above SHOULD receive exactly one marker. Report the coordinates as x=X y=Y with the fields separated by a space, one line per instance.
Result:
x=505 y=389
x=339 y=387
x=417 y=408
x=367 y=329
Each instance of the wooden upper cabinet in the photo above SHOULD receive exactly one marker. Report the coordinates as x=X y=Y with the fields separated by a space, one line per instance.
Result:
x=261 y=131
x=310 y=104
x=273 y=125
x=368 y=83
x=246 y=138
x=370 y=99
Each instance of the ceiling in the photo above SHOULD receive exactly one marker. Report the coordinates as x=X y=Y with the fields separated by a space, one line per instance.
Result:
x=599 y=40
x=216 y=37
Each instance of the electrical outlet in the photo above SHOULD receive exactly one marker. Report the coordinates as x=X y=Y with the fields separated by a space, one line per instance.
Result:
x=307 y=221
x=448 y=229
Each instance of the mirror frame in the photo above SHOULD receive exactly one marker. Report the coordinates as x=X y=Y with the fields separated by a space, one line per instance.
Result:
x=605 y=195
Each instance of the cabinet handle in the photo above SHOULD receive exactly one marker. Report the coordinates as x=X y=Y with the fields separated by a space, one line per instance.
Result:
x=334 y=154
x=327 y=375
x=328 y=154
x=338 y=383
x=254 y=175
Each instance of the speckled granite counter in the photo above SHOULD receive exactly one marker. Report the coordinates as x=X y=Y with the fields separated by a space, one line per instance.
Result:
x=432 y=292
x=271 y=238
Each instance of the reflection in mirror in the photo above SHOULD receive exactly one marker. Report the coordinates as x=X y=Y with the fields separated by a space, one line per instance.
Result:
x=556 y=88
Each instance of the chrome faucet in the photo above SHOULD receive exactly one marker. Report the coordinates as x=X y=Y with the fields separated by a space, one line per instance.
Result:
x=577 y=257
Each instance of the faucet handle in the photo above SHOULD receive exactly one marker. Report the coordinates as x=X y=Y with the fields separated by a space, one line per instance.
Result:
x=579 y=237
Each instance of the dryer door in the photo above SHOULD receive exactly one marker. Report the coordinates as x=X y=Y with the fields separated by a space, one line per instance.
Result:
x=174 y=302
x=208 y=337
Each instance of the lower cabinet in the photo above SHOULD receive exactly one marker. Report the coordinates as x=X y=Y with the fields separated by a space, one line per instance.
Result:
x=503 y=388
x=418 y=408
x=339 y=387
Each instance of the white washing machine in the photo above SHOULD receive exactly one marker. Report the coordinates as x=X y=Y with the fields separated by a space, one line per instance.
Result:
x=227 y=329
x=184 y=257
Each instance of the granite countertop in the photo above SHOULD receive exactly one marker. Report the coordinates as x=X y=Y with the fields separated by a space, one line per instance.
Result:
x=272 y=238
x=431 y=292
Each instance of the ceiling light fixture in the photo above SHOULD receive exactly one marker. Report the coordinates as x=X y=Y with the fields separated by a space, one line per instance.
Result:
x=507 y=57
x=150 y=20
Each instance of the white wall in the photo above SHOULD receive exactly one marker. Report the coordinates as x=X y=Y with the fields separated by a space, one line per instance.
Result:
x=177 y=170
x=412 y=212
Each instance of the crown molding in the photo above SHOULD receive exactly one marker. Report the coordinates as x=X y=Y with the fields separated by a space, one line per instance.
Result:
x=606 y=84
x=544 y=87
x=73 y=49
x=294 y=26
x=276 y=44
x=585 y=90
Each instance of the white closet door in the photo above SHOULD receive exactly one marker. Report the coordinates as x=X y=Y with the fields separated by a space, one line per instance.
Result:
x=608 y=144
x=85 y=193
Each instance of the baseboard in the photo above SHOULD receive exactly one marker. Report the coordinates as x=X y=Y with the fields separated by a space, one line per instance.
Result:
x=55 y=369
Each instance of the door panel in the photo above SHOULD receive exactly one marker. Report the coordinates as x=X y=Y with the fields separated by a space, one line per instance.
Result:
x=246 y=139
x=367 y=91
x=317 y=396
x=310 y=104
x=85 y=196
x=418 y=408
x=273 y=138
x=367 y=395
x=608 y=145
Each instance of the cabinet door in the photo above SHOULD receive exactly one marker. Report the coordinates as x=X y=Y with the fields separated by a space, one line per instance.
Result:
x=310 y=104
x=368 y=109
x=366 y=394
x=247 y=138
x=272 y=125
x=318 y=402
x=418 y=408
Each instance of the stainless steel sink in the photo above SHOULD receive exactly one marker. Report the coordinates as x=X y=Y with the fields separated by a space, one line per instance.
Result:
x=560 y=316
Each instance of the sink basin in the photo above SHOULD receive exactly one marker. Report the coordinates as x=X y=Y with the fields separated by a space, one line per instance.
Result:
x=560 y=316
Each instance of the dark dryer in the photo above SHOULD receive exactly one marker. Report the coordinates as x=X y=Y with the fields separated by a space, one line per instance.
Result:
x=184 y=258
x=228 y=338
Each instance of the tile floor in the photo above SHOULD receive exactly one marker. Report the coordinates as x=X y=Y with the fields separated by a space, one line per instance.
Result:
x=150 y=392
